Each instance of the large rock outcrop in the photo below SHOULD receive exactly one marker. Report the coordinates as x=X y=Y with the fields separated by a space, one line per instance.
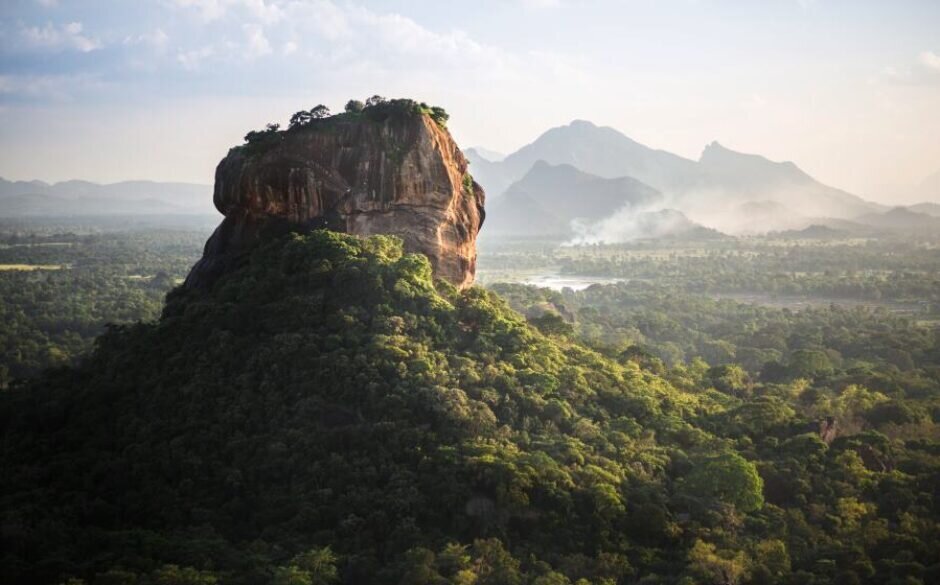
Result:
x=401 y=174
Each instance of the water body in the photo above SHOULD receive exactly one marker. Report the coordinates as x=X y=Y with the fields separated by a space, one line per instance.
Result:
x=544 y=278
x=560 y=282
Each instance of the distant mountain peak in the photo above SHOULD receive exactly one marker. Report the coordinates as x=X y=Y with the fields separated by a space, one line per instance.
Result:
x=716 y=155
x=582 y=124
x=480 y=152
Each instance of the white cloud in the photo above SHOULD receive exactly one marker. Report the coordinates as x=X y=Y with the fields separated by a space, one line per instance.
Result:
x=258 y=44
x=325 y=18
x=59 y=37
x=156 y=39
x=191 y=60
x=48 y=3
x=265 y=11
x=925 y=71
x=356 y=45
x=930 y=60
x=208 y=9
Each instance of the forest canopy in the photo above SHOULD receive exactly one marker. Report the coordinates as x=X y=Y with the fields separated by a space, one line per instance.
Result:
x=330 y=413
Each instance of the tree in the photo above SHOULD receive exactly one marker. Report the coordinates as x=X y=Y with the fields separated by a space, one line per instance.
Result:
x=257 y=135
x=810 y=363
x=354 y=106
x=728 y=478
x=730 y=379
x=719 y=567
x=176 y=575
x=375 y=100
x=440 y=116
x=320 y=112
x=494 y=565
x=552 y=324
x=301 y=118
x=320 y=564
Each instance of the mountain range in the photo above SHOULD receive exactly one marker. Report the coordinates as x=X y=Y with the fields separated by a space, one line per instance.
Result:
x=552 y=198
x=580 y=172
x=573 y=181
x=38 y=198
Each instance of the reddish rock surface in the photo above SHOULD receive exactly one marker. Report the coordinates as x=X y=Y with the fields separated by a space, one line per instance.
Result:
x=404 y=176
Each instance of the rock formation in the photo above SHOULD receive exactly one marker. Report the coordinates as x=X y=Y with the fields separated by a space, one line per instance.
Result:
x=398 y=172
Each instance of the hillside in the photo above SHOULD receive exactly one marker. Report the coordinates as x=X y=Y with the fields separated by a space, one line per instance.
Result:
x=328 y=394
x=329 y=413
x=549 y=199
x=902 y=220
x=328 y=399
x=932 y=209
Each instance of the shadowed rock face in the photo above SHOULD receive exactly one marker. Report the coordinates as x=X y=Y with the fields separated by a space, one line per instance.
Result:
x=403 y=176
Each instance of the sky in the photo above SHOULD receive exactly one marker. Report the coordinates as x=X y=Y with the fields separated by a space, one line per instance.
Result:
x=109 y=90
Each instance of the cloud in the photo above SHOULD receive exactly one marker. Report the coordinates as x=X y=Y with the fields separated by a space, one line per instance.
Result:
x=924 y=71
x=267 y=12
x=48 y=3
x=930 y=60
x=258 y=44
x=208 y=9
x=191 y=60
x=331 y=34
x=59 y=37
x=156 y=39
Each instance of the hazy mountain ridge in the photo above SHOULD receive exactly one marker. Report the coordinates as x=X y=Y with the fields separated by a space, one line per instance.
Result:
x=926 y=207
x=746 y=176
x=550 y=200
x=485 y=153
x=902 y=219
x=929 y=188
x=710 y=191
x=77 y=197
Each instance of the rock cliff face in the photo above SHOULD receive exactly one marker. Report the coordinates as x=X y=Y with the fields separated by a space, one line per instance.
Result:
x=403 y=175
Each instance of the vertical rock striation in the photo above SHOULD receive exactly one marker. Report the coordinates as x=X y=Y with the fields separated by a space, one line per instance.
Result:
x=402 y=175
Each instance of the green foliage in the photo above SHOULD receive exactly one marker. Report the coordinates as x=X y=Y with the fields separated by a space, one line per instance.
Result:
x=109 y=275
x=329 y=413
x=314 y=567
x=258 y=141
x=380 y=109
x=328 y=394
x=726 y=478
x=468 y=184
x=721 y=567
